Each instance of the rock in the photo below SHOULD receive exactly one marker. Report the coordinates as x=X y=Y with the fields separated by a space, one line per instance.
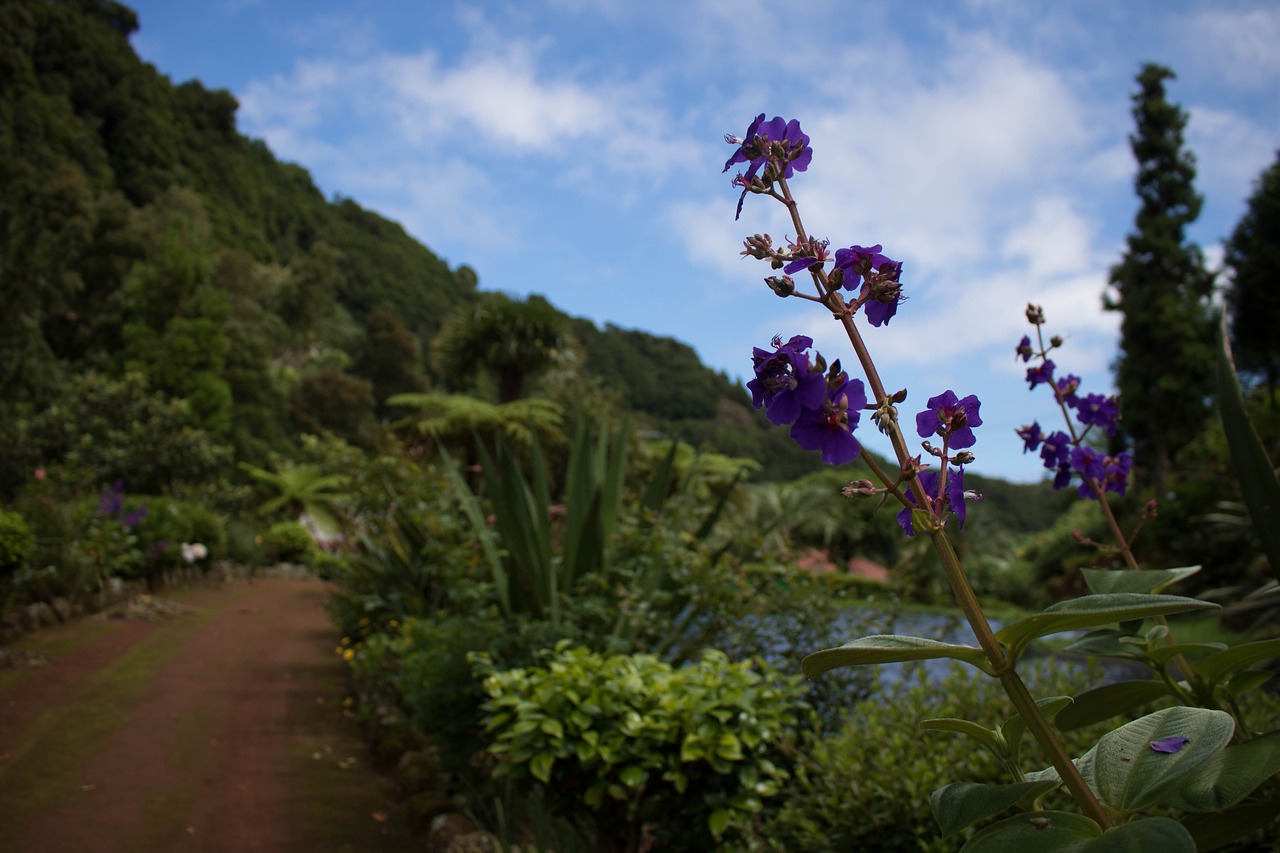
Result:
x=62 y=608
x=454 y=833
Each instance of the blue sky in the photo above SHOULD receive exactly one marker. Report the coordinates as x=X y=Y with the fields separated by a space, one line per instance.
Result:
x=574 y=148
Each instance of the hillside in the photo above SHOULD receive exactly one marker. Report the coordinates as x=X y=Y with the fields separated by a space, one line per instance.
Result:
x=156 y=259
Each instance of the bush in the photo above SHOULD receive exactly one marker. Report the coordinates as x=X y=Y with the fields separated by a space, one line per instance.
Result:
x=16 y=542
x=167 y=523
x=290 y=542
x=688 y=754
x=867 y=787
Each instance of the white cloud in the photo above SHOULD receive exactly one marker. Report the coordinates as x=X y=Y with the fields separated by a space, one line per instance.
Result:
x=1239 y=45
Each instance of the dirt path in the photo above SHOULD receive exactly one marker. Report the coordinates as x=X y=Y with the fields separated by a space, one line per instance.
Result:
x=220 y=729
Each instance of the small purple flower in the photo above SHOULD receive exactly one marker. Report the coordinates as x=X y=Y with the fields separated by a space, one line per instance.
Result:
x=1024 y=350
x=879 y=277
x=133 y=517
x=784 y=384
x=954 y=502
x=756 y=148
x=1055 y=450
x=1031 y=437
x=1043 y=373
x=951 y=418
x=829 y=428
x=111 y=499
x=1088 y=462
x=1117 y=477
x=1098 y=410
x=1169 y=745
x=1067 y=387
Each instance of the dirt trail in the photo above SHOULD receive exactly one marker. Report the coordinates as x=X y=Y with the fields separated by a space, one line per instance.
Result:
x=220 y=729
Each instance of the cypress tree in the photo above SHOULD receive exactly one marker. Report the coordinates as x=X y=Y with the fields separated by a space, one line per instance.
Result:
x=1165 y=367
x=1253 y=298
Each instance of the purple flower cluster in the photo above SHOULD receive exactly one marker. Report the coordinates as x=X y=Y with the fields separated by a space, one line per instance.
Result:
x=1066 y=456
x=777 y=139
x=823 y=410
x=111 y=502
x=950 y=418
x=877 y=277
x=952 y=501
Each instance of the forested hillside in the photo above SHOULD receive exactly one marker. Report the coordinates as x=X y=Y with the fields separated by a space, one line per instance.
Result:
x=162 y=274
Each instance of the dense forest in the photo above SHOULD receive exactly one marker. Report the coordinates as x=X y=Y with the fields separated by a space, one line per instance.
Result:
x=159 y=264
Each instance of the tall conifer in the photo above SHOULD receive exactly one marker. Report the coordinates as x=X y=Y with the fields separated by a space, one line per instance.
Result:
x=1253 y=299
x=1165 y=367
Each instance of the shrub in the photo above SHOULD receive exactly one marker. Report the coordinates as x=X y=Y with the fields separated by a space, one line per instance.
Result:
x=16 y=542
x=867 y=786
x=290 y=542
x=686 y=754
x=167 y=523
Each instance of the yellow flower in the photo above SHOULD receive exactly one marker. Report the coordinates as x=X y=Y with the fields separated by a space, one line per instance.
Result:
x=348 y=654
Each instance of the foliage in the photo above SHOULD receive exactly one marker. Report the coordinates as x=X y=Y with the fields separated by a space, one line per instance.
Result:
x=16 y=543
x=455 y=421
x=290 y=542
x=116 y=429
x=1253 y=300
x=298 y=489
x=514 y=341
x=168 y=523
x=693 y=752
x=1164 y=372
x=865 y=786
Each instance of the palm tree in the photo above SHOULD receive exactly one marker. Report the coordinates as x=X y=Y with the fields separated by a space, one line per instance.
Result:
x=305 y=489
x=510 y=339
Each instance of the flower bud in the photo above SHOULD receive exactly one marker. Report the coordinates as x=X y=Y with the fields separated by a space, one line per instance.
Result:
x=964 y=457
x=898 y=396
x=1055 y=341
x=782 y=286
x=1035 y=314
x=858 y=487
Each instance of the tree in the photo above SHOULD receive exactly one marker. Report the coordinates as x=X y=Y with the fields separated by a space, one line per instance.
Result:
x=511 y=339
x=1253 y=299
x=1165 y=367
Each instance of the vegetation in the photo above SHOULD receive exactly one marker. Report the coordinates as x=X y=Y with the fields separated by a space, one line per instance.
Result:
x=552 y=564
x=1164 y=372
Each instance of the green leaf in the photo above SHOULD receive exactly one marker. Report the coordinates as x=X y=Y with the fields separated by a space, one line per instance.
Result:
x=890 y=648
x=1063 y=832
x=1215 y=666
x=1232 y=775
x=1160 y=654
x=632 y=775
x=1127 y=774
x=1107 y=643
x=1015 y=726
x=1257 y=477
x=718 y=822
x=1103 y=581
x=981 y=734
x=541 y=765
x=1108 y=700
x=1092 y=611
x=1213 y=830
x=961 y=804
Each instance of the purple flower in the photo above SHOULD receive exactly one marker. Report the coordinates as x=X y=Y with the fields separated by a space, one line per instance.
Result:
x=130 y=519
x=954 y=498
x=951 y=418
x=829 y=427
x=1067 y=387
x=784 y=384
x=111 y=499
x=879 y=276
x=1169 y=745
x=757 y=147
x=1117 y=476
x=1043 y=373
x=1088 y=462
x=1024 y=350
x=1031 y=436
x=1056 y=450
x=1097 y=410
